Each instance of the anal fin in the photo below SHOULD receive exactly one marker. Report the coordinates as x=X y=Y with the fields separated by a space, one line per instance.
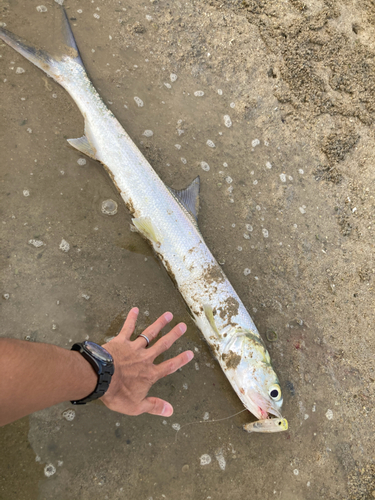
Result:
x=83 y=145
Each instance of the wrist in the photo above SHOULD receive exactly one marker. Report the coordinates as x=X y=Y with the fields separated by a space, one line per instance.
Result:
x=85 y=374
x=102 y=364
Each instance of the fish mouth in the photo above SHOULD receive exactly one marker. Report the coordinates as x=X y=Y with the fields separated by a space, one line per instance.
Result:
x=262 y=407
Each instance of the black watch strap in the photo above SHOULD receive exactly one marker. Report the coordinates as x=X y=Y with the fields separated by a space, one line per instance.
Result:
x=103 y=368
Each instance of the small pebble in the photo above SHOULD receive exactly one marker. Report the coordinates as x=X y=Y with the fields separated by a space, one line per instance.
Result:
x=41 y=8
x=36 y=243
x=6 y=296
x=173 y=77
x=268 y=165
x=249 y=227
x=176 y=427
x=232 y=104
x=205 y=166
x=177 y=146
x=329 y=414
x=206 y=416
x=199 y=93
x=247 y=271
x=255 y=143
x=138 y=101
x=210 y=144
x=185 y=468
x=25 y=192
x=283 y=177
x=49 y=470
x=168 y=85
x=205 y=459
x=64 y=246
x=19 y=71
x=184 y=161
x=296 y=472
x=219 y=91
x=227 y=121
x=265 y=232
x=85 y=296
x=81 y=161
x=69 y=415
x=221 y=460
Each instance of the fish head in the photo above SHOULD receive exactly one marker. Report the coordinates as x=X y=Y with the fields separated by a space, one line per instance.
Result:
x=256 y=379
x=262 y=393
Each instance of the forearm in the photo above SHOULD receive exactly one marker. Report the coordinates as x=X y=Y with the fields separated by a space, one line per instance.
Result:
x=35 y=376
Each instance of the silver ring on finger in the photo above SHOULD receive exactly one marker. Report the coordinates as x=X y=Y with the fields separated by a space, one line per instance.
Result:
x=146 y=339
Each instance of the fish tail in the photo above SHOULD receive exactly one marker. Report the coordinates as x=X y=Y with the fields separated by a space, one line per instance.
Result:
x=52 y=65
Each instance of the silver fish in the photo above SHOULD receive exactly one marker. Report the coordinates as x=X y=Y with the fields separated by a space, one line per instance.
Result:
x=167 y=218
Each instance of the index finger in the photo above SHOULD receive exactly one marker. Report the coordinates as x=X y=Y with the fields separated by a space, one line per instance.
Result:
x=129 y=325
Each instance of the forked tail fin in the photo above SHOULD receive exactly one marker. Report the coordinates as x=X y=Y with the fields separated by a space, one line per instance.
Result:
x=52 y=65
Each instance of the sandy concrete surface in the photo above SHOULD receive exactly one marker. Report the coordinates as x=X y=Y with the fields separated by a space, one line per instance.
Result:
x=289 y=196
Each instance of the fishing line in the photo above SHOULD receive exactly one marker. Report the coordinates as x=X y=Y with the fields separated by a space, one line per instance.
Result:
x=208 y=422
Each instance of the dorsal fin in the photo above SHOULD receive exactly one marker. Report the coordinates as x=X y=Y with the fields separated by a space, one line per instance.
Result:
x=189 y=197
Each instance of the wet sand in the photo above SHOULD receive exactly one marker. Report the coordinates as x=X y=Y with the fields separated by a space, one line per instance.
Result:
x=288 y=196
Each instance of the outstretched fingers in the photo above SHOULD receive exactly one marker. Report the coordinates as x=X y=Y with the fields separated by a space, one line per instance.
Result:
x=168 y=340
x=172 y=365
x=129 y=325
x=153 y=330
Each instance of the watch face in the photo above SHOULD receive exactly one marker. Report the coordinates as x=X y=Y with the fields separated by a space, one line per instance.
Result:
x=98 y=352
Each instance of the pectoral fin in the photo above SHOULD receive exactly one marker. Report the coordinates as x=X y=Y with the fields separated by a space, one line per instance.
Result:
x=149 y=231
x=83 y=145
x=210 y=318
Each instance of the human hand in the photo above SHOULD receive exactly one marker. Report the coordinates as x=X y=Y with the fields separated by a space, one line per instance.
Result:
x=135 y=371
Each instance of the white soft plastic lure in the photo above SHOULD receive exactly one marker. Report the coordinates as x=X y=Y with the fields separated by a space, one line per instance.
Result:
x=267 y=425
x=168 y=220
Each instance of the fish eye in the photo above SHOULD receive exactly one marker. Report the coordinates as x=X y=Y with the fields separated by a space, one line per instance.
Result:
x=275 y=392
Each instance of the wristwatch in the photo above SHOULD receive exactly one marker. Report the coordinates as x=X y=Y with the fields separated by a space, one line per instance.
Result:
x=102 y=363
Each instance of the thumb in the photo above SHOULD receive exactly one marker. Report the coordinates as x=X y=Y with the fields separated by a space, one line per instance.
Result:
x=157 y=406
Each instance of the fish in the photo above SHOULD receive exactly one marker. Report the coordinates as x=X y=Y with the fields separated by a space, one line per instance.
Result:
x=168 y=219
